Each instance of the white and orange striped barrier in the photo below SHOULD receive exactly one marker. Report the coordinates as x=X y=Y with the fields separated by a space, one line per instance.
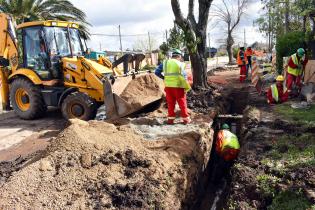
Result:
x=274 y=61
x=255 y=77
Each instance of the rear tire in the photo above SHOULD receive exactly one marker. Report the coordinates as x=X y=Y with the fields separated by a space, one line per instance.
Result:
x=80 y=106
x=26 y=99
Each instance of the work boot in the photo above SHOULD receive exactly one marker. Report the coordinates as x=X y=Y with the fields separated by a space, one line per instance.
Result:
x=186 y=121
x=170 y=122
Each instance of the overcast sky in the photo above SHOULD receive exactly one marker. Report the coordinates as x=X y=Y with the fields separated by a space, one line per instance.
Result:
x=138 y=17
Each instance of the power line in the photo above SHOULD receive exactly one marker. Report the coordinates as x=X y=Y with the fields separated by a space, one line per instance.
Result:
x=125 y=35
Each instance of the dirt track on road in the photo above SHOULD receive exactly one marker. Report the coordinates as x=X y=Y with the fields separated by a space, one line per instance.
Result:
x=20 y=137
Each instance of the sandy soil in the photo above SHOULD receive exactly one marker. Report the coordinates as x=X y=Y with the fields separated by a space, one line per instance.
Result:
x=98 y=165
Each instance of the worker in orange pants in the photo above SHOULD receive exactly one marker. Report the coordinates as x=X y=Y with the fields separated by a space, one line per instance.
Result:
x=242 y=62
x=176 y=86
x=178 y=95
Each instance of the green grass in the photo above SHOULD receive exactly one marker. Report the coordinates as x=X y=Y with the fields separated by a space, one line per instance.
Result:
x=299 y=150
x=298 y=115
x=267 y=183
x=290 y=201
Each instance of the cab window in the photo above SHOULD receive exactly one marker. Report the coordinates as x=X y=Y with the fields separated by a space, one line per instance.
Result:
x=36 y=57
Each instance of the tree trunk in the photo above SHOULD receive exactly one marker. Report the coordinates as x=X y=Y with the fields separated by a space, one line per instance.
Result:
x=193 y=29
x=229 y=45
x=304 y=23
x=199 y=71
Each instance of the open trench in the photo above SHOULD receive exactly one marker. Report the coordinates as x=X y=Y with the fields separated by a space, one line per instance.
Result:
x=214 y=184
x=217 y=178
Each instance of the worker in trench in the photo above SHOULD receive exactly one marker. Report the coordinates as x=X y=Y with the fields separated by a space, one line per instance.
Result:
x=242 y=62
x=277 y=93
x=296 y=66
x=176 y=86
x=227 y=145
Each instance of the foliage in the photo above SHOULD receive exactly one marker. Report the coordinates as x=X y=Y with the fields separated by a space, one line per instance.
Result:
x=284 y=16
x=176 y=39
x=290 y=200
x=291 y=152
x=164 y=48
x=287 y=45
x=33 y=10
x=235 y=52
x=267 y=184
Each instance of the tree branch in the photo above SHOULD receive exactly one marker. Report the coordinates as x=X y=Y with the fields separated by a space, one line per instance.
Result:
x=204 y=7
x=179 y=18
x=191 y=16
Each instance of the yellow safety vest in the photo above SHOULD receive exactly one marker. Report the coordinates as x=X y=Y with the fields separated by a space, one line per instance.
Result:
x=295 y=71
x=230 y=140
x=275 y=92
x=173 y=74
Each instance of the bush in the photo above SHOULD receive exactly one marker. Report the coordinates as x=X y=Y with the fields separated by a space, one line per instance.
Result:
x=235 y=52
x=222 y=53
x=287 y=45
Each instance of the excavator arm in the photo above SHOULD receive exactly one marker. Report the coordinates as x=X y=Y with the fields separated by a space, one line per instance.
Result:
x=8 y=56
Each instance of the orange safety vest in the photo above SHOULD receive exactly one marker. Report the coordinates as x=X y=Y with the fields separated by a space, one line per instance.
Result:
x=239 y=60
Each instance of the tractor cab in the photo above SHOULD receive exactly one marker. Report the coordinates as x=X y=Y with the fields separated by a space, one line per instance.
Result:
x=45 y=43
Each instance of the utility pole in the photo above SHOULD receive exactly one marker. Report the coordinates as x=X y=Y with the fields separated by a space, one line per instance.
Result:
x=150 y=49
x=121 y=49
x=166 y=36
x=100 y=47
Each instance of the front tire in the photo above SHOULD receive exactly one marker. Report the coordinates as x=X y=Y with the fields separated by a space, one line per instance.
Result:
x=26 y=99
x=80 y=106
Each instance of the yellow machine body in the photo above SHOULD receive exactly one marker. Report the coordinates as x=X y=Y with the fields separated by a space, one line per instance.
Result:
x=48 y=68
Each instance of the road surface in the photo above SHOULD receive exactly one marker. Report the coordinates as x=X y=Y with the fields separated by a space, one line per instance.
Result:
x=21 y=137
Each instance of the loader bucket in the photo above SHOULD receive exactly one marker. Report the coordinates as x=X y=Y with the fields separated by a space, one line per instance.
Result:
x=130 y=94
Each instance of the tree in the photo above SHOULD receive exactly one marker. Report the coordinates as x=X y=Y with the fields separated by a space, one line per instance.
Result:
x=230 y=15
x=33 y=10
x=195 y=34
x=176 y=39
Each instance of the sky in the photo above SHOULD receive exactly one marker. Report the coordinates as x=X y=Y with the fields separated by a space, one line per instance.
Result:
x=139 y=18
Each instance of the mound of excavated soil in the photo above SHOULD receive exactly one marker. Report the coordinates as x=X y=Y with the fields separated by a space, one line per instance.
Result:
x=96 y=165
x=143 y=90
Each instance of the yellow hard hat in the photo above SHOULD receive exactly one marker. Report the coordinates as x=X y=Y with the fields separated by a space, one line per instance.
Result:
x=280 y=78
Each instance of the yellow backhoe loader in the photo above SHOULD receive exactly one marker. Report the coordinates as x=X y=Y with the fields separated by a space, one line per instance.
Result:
x=43 y=65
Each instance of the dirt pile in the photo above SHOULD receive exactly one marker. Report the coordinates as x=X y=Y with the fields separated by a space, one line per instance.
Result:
x=96 y=165
x=204 y=101
x=143 y=90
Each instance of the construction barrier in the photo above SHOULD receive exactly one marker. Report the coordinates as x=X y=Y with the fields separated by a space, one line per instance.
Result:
x=274 y=61
x=255 y=77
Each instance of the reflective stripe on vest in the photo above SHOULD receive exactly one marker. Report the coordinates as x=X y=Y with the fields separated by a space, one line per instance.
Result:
x=295 y=71
x=173 y=74
x=230 y=140
x=275 y=92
